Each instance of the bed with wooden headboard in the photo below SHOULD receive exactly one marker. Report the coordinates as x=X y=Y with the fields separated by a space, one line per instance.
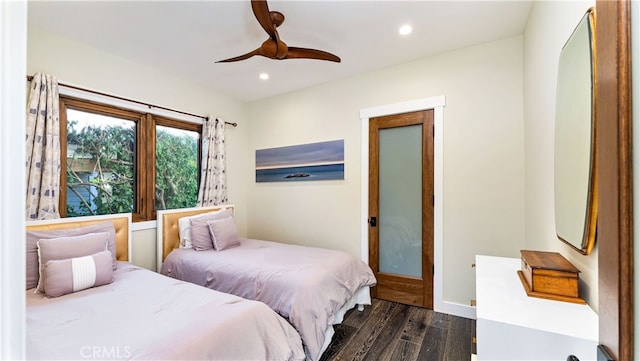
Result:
x=311 y=287
x=121 y=223
x=141 y=314
x=168 y=236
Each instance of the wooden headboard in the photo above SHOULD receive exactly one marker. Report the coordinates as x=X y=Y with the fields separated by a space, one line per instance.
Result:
x=121 y=222
x=168 y=237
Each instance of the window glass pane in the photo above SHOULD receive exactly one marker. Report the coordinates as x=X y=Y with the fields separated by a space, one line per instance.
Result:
x=176 y=168
x=100 y=164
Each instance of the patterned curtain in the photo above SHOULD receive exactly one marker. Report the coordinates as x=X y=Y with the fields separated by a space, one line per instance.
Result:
x=213 y=177
x=43 y=148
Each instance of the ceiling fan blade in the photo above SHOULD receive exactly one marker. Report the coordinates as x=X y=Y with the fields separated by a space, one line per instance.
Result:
x=274 y=48
x=261 y=11
x=303 y=53
x=242 y=57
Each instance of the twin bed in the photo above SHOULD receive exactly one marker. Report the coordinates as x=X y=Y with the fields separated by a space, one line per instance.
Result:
x=310 y=287
x=144 y=315
x=260 y=301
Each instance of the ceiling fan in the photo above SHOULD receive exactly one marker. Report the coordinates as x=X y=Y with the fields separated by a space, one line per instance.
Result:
x=274 y=48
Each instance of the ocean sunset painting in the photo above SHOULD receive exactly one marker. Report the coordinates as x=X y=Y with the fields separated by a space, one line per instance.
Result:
x=313 y=161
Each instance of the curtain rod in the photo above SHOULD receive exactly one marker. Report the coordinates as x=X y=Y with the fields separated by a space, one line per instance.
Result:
x=30 y=77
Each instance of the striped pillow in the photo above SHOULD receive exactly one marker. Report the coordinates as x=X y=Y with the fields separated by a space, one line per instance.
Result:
x=33 y=236
x=69 y=247
x=76 y=274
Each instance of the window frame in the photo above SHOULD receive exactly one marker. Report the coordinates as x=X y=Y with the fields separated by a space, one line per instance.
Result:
x=145 y=146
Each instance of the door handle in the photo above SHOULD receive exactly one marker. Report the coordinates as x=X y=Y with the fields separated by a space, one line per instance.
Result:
x=373 y=221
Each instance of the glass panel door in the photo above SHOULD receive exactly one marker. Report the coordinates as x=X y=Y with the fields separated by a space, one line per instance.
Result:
x=400 y=195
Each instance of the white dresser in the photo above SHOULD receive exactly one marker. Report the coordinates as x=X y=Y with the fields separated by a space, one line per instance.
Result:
x=513 y=326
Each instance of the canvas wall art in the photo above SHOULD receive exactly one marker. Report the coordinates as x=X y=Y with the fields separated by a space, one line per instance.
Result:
x=313 y=161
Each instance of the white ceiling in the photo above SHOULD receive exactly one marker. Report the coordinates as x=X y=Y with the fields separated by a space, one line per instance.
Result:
x=185 y=38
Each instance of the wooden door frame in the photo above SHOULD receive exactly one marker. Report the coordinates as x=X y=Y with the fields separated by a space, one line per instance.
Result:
x=398 y=287
x=436 y=103
x=615 y=176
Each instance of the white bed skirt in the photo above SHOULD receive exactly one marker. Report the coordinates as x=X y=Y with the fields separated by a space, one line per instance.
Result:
x=361 y=297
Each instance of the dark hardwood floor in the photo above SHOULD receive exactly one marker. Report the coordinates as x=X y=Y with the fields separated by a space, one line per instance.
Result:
x=392 y=331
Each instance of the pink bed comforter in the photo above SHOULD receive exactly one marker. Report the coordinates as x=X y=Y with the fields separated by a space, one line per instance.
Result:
x=144 y=315
x=305 y=285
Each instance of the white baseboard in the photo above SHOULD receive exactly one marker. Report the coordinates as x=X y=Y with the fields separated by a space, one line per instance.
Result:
x=456 y=309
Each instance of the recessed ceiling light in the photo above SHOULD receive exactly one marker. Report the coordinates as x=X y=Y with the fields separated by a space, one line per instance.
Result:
x=264 y=76
x=405 y=30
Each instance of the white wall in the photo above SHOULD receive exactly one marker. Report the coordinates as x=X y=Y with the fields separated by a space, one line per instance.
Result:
x=550 y=25
x=81 y=65
x=13 y=41
x=483 y=156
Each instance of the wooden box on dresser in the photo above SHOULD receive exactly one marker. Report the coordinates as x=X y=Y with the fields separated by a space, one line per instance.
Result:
x=549 y=275
x=513 y=326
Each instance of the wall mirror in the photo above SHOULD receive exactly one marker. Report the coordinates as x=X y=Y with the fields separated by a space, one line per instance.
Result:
x=575 y=183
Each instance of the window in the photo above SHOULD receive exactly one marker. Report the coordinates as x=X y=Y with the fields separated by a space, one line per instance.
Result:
x=124 y=161
x=177 y=163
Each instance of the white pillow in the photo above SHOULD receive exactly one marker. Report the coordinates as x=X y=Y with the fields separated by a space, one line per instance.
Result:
x=184 y=224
